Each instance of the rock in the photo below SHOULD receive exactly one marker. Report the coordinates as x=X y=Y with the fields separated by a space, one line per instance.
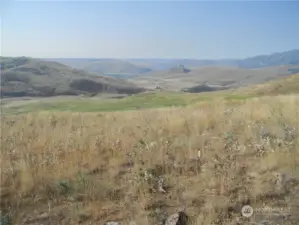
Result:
x=40 y=218
x=112 y=223
x=5 y=220
x=286 y=133
x=263 y=223
x=4 y=192
x=272 y=132
x=83 y=217
x=43 y=216
x=285 y=181
x=180 y=218
x=228 y=111
x=160 y=185
x=132 y=223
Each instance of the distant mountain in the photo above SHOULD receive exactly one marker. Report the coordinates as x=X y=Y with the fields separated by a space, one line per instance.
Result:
x=22 y=76
x=143 y=66
x=276 y=59
x=104 y=66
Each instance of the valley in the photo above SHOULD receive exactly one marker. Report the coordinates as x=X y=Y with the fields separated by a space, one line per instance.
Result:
x=149 y=113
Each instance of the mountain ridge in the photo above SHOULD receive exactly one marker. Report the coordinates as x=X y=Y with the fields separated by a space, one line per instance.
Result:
x=143 y=65
x=290 y=57
x=103 y=65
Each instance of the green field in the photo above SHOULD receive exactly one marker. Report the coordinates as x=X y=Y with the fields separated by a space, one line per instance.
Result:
x=142 y=101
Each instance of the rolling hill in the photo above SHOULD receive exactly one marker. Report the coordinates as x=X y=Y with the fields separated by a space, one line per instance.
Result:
x=104 y=66
x=212 y=76
x=281 y=86
x=286 y=85
x=24 y=76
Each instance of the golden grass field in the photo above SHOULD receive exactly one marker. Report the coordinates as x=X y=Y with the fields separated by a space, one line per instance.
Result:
x=92 y=167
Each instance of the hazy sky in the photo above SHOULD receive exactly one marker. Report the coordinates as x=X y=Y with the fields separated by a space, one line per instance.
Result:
x=152 y=29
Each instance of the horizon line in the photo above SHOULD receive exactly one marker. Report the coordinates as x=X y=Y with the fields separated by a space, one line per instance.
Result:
x=159 y=58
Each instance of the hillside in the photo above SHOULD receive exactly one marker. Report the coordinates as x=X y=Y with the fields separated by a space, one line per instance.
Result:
x=114 y=66
x=209 y=156
x=104 y=66
x=281 y=86
x=32 y=77
x=218 y=77
x=209 y=160
x=156 y=99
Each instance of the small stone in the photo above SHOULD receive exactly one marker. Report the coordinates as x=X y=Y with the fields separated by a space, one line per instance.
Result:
x=112 y=223
x=179 y=218
x=4 y=192
x=71 y=199
x=132 y=223
x=83 y=217
x=43 y=216
x=5 y=220
x=160 y=185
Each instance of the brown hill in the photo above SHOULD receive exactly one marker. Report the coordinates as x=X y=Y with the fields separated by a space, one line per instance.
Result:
x=24 y=76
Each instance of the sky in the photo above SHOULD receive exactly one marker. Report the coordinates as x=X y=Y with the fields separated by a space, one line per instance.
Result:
x=147 y=29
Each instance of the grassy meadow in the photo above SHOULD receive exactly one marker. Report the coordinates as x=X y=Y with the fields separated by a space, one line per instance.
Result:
x=85 y=164
x=141 y=101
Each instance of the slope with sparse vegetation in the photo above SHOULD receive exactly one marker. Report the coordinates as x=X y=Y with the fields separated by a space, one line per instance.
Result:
x=286 y=85
x=90 y=168
x=23 y=76
x=142 y=165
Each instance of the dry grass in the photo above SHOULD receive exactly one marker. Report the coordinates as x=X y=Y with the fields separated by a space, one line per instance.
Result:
x=285 y=85
x=88 y=168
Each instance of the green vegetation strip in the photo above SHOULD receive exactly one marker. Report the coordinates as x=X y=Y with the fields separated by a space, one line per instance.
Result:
x=141 y=101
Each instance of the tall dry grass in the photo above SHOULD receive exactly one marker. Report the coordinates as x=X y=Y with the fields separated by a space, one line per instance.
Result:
x=88 y=168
